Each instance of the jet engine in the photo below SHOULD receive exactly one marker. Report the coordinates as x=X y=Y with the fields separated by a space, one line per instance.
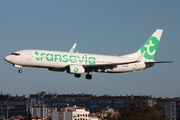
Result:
x=75 y=69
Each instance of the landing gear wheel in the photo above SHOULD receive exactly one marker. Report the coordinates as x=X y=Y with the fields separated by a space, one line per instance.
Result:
x=20 y=71
x=77 y=75
x=89 y=76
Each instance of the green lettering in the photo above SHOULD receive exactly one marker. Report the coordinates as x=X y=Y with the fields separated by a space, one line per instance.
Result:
x=57 y=56
x=36 y=53
x=81 y=60
x=92 y=60
x=85 y=59
x=65 y=58
x=49 y=57
x=72 y=59
x=42 y=55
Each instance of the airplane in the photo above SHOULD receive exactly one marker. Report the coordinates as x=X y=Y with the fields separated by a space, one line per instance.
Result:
x=80 y=63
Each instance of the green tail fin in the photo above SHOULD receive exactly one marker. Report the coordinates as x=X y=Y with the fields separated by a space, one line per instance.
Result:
x=151 y=45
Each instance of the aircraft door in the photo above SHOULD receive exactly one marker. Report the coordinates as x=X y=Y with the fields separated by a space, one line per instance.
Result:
x=28 y=56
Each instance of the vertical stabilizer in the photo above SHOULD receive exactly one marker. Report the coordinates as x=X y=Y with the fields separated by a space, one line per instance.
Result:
x=149 y=48
x=151 y=45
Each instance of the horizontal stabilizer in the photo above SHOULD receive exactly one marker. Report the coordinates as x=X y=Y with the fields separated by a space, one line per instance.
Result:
x=160 y=62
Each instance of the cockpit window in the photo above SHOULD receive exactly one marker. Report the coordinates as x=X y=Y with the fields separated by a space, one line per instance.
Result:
x=15 y=54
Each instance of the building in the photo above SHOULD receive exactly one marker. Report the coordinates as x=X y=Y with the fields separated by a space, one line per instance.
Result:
x=177 y=100
x=97 y=103
x=94 y=117
x=11 y=106
x=59 y=100
x=121 y=101
x=18 y=118
x=71 y=113
x=170 y=107
x=3 y=106
x=42 y=111
x=90 y=102
x=16 y=105
x=108 y=114
x=43 y=104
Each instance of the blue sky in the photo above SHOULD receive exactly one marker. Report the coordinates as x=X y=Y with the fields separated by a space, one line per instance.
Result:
x=102 y=27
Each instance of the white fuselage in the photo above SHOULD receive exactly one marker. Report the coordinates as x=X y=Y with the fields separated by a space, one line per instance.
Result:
x=56 y=60
x=79 y=63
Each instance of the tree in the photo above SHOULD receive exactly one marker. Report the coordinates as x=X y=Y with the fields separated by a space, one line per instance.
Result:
x=141 y=111
x=160 y=109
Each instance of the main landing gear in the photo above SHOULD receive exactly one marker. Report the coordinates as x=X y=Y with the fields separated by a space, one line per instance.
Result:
x=77 y=75
x=88 y=76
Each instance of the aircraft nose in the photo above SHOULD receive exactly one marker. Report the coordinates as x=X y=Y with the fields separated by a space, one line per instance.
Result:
x=7 y=58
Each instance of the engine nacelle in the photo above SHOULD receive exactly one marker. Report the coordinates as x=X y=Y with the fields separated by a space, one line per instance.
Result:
x=75 y=69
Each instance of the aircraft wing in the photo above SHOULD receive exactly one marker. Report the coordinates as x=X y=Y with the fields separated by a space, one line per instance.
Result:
x=104 y=66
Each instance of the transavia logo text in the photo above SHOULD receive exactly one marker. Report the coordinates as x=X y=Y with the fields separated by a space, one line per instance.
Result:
x=65 y=58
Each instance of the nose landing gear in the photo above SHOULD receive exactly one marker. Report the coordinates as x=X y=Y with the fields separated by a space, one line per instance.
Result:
x=18 y=66
x=20 y=70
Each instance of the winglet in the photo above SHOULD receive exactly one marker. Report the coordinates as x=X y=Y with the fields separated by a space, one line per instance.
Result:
x=73 y=48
